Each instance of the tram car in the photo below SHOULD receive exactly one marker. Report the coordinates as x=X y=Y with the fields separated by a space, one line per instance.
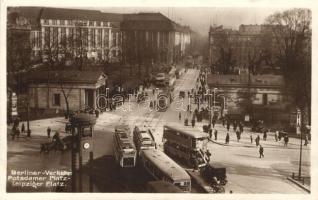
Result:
x=124 y=149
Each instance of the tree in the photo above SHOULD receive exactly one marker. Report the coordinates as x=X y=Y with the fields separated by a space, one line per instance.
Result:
x=225 y=44
x=291 y=31
x=18 y=52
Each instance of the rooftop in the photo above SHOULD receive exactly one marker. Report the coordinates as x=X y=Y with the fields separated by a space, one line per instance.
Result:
x=65 y=76
x=255 y=80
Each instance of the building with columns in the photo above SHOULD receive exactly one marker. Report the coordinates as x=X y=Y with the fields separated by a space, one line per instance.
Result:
x=74 y=33
x=49 y=92
x=62 y=33
x=153 y=38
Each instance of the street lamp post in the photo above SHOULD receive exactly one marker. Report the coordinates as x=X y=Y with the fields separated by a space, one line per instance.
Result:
x=298 y=126
x=214 y=91
x=28 y=119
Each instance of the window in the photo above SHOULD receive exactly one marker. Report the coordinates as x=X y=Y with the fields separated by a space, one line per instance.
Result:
x=105 y=23
x=91 y=23
x=45 y=22
x=62 y=22
x=54 y=22
x=98 y=23
x=56 y=100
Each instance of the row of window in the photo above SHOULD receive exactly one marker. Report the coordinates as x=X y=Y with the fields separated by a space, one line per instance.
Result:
x=75 y=22
x=92 y=38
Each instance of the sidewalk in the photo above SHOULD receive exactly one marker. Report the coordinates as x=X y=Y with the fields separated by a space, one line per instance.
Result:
x=245 y=138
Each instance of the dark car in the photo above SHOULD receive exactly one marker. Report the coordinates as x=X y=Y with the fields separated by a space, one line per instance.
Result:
x=182 y=94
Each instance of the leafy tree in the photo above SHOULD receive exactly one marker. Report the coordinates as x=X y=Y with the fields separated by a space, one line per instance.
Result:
x=291 y=32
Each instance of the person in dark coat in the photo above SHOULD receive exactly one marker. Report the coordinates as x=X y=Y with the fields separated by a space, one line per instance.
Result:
x=216 y=134
x=228 y=126
x=251 y=137
x=234 y=126
x=223 y=121
x=179 y=116
x=261 y=152
x=210 y=133
x=286 y=139
x=22 y=128
x=48 y=130
x=227 y=138
x=208 y=154
x=265 y=135
x=306 y=140
x=193 y=122
x=257 y=140
x=213 y=122
x=238 y=135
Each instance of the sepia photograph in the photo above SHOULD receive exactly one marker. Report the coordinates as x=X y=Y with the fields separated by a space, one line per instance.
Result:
x=208 y=100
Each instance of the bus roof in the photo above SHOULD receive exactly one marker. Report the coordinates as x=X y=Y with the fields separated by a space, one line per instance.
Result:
x=163 y=187
x=187 y=130
x=166 y=164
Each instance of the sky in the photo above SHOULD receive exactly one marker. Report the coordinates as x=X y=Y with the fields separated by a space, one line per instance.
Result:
x=199 y=19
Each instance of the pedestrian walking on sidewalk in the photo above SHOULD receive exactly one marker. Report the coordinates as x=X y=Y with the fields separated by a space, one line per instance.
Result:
x=251 y=137
x=227 y=138
x=22 y=128
x=257 y=140
x=210 y=133
x=261 y=152
x=241 y=127
x=228 y=126
x=179 y=116
x=276 y=136
x=234 y=126
x=223 y=121
x=193 y=122
x=238 y=135
x=215 y=134
x=306 y=140
x=265 y=135
x=286 y=139
x=48 y=130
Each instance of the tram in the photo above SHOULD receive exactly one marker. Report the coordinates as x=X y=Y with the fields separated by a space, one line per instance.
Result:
x=124 y=149
x=143 y=139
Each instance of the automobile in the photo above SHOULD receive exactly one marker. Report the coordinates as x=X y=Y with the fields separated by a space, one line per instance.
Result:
x=160 y=79
x=182 y=94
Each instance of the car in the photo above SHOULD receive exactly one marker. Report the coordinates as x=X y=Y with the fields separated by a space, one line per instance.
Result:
x=160 y=79
x=182 y=94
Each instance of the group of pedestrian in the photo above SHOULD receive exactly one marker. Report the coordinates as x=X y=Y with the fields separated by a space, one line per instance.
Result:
x=16 y=130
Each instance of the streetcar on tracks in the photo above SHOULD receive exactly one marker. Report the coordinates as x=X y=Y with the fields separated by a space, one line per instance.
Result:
x=124 y=149
x=143 y=139
x=163 y=168
x=162 y=187
x=185 y=143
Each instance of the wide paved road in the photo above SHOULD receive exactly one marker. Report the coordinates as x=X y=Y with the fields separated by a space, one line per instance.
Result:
x=247 y=173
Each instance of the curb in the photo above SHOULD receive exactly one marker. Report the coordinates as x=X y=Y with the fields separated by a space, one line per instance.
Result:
x=306 y=188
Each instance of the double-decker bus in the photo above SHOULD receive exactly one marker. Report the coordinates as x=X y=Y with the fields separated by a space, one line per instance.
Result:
x=185 y=143
x=124 y=149
x=161 y=167
x=143 y=139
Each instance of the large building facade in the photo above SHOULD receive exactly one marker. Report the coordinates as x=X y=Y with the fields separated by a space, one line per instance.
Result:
x=243 y=46
x=74 y=33
x=154 y=38
x=263 y=96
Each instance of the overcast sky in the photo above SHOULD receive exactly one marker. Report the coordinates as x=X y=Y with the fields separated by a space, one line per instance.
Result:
x=199 y=19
